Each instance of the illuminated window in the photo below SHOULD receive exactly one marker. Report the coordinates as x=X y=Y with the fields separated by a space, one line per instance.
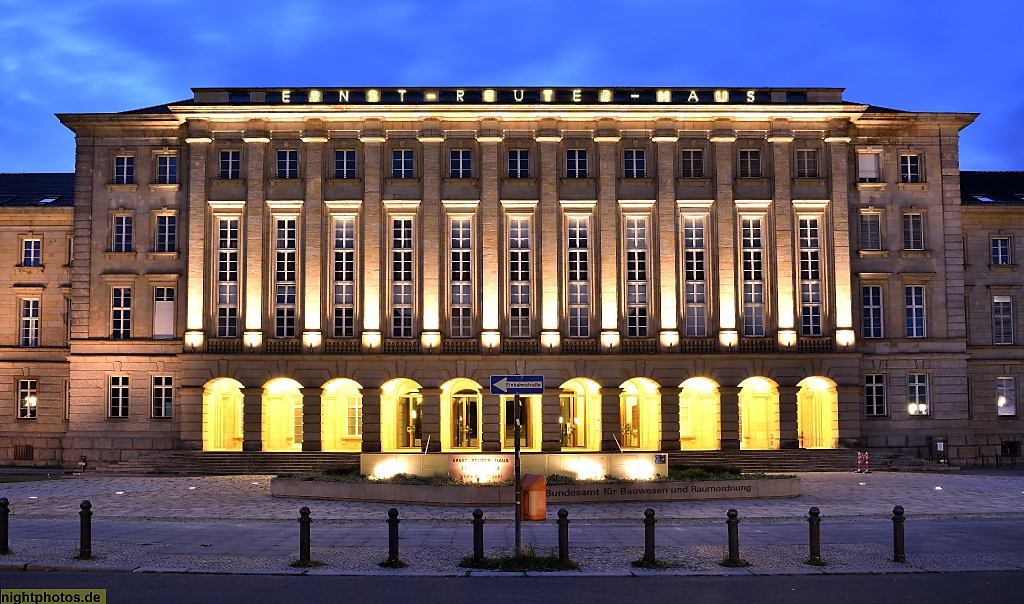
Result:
x=27 y=399
x=806 y=163
x=401 y=163
x=1001 y=251
x=353 y=416
x=750 y=163
x=870 y=232
x=163 y=392
x=285 y=277
x=121 y=313
x=579 y=276
x=461 y=303
x=519 y=277
x=874 y=395
x=344 y=163
x=288 y=163
x=344 y=277
x=915 y=311
x=1006 y=396
x=1002 y=320
x=117 y=396
x=571 y=410
x=465 y=419
x=910 y=168
x=29 y=329
x=401 y=278
x=810 y=278
x=872 y=296
x=410 y=420
x=518 y=163
x=868 y=167
x=227 y=278
x=167 y=169
x=695 y=277
x=917 y=394
x=124 y=170
x=508 y=404
x=460 y=166
x=635 y=163
x=32 y=252
x=753 y=278
x=576 y=163
x=163 y=313
x=166 y=233
x=692 y=163
x=230 y=165
x=636 y=277
x=122 y=234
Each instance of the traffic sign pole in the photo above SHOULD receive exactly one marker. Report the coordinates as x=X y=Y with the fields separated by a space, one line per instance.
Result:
x=519 y=484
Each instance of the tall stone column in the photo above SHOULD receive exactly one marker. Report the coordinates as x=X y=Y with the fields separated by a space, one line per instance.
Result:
x=430 y=411
x=549 y=219
x=313 y=142
x=840 y=209
x=490 y=422
x=195 y=296
x=606 y=258
x=432 y=234
x=789 y=419
x=551 y=437
x=372 y=139
x=255 y=198
x=729 y=399
x=669 y=419
x=781 y=140
x=371 y=420
x=724 y=143
x=489 y=238
x=312 y=419
x=252 y=419
x=190 y=416
x=668 y=243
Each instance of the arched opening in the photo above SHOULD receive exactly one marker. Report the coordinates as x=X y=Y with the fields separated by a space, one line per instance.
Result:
x=579 y=415
x=282 y=415
x=817 y=412
x=759 y=414
x=640 y=415
x=222 y=415
x=700 y=415
x=529 y=422
x=341 y=416
x=460 y=415
x=401 y=420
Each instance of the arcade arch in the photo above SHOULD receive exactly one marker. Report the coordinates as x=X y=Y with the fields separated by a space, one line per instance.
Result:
x=640 y=415
x=759 y=414
x=817 y=412
x=401 y=421
x=460 y=415
x=700 y=415
x=579 y=415
x=222 y=415
x=282 y=415
x=341 y=416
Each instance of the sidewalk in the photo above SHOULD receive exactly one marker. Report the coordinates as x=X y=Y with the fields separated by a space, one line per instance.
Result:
x=231 y=524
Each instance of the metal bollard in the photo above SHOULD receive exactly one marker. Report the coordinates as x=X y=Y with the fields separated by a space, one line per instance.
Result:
x=304 y=521
x=563 y=535
x=393 y=536
x=898 y=544
x=4 y=512
x=478 y=535
x=649 y=523
x=814 y=521
x=734 y=535
x=85 y=539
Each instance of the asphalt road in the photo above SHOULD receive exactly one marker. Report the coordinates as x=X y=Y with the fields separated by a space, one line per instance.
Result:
x=925 y=588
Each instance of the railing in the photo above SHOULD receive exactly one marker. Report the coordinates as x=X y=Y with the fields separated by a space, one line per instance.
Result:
x=283 y=346
x=698 y=346
x=815 y=345
x=401 y=346
x=579 y=346
x=639 y=346
x=757 y=345
x=512 y=346
x=224 y=346
x=460 y=347
x=342 y=347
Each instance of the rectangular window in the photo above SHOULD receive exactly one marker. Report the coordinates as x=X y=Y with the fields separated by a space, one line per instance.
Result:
x=117 y=397
x=750 y=163
x=913 y=231
x=692 y=163
x=230 y=165
x=518 y=163
x=753 y=278
x=519 y=277
x=871 y=232
x=636 y=277
x=27 y=399
x=874 y=395
x=354 y=416
x=868 y=167
x=1001 y=251
x=807 y=163
x=121 y=313
x=163 y=313
x=227 y=278
x=917 y=394
x=872 y=296
x=402 y=299
x=285 y=277
x=163 y=396
x=1006 y=396
x=344 y=277
x=636 y=163
x=166 y=233
x=461 y=267
x=1002 y=320
x=576 y=163
x=124 y=170
x=345 y=163
x=29 y=332
x=915 y=311
x=579 y=276
x=122 y=234
x=288 y=163
x=910 y=168
x=810 y=278
x=460 y=166
x=695 y=277
x=401 y=163
x=32 y=252
x=167 y=169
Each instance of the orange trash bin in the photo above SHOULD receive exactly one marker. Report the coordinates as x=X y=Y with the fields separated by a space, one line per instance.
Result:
x=535 y=497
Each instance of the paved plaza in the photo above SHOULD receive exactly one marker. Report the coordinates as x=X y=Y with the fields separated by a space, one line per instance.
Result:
x=955 y=522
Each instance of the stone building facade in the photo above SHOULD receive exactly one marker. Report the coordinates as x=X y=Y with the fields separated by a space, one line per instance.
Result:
x=315 y=270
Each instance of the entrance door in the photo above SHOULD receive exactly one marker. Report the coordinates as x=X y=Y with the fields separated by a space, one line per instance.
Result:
x=629 y=420
x=570 y=419
x=409 y=421
x=464 y=420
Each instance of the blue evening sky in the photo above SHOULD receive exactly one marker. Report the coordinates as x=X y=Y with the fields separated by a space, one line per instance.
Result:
x=80 y=56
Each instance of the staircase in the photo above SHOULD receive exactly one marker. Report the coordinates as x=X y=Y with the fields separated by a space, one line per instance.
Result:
x=781 y=460
x=212 y=463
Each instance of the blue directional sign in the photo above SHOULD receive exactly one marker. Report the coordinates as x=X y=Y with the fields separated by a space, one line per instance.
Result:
x=517 y=384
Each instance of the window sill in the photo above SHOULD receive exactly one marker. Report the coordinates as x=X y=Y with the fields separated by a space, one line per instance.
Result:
x=351 y=182
x=229 y=180
x=519 y=181
x=915 y=254
x=122 y=187
x=693 y=182
x=402 y=182
x=577 y=181
x=161 y=419
x=636 y=181
x=912 y=186
x=809 y=181
x=753 y=180
x=162 y=255
x=113 y=255
x=26 y=419
x=165 y=187
x=871 y=186
x=873 y=253
x=29 y=270
x=280 y=182
x=1010 y=268
x=457 y=182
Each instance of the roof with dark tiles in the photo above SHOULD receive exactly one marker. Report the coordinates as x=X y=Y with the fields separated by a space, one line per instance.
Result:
x=28 y=190
x=991 y=188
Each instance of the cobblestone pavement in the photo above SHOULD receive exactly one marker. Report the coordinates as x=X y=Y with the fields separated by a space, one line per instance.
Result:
x=232 y=524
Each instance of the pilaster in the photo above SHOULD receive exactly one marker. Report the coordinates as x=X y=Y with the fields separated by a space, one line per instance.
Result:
x=254 y=224
x=729 y=399
x=550 y=439
x=195 y=296
x=724 y=143
x=373 y=143
x=781 y=141
x=549 y=217
x=433 y=229
x=667 y=230
x=313 y=143
x=430 y=410
x=252 y=419
x=489 y=240
x=311 y=418
x=789 y=422
x=610 y=420
x=490 y=422
x=840 y=214
x=607 y=257
x=371 y=420
x=669 y=419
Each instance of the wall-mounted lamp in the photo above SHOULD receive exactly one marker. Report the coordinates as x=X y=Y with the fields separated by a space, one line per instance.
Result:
x=845 y=338
x=252 y=339
x=430 y=340
x=787 y=338
x=193 y=339
x=550 y=339
x=609 y=340
x=371 y=340
x=729 y=339
x=490 y=340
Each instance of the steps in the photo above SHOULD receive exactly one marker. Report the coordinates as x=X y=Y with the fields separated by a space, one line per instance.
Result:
x=781 y=460
x=214 y=463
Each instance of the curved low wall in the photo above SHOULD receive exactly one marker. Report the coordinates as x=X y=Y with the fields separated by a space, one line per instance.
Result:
x=556 y=494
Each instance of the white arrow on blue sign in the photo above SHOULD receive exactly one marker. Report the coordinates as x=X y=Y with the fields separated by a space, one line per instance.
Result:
x=517 y=384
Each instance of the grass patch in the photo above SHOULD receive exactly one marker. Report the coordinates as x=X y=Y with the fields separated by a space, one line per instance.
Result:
x=4 y=479
x=815 y=562
x=393 y=564
x=657 y=564
x=730 y=563
x=529 y=561
x=310 y=564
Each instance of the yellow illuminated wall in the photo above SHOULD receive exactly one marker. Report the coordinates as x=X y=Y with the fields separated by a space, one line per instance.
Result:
x=282 y=415
x=461 y=413
x=222 y=415
x=817 y=408
x=640 y=415
x=759 y=414
x=700 y=415
x=587 y=394
x=341 y=416
x=390 y=393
